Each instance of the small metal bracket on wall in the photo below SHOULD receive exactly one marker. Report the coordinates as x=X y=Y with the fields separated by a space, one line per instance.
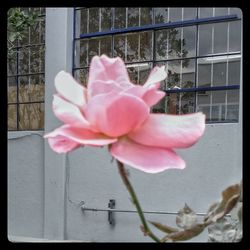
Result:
x=111 y=214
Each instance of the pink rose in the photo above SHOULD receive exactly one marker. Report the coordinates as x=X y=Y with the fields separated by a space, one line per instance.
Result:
x=112 y=111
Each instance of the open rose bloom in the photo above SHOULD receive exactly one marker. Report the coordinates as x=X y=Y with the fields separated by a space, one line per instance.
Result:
x=113 y=111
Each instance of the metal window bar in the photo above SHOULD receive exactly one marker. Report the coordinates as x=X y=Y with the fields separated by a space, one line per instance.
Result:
x=168 y=60
x=154 y=27
x=17 y=75
x=163 y=25
x=198 y=89
x=84 y=208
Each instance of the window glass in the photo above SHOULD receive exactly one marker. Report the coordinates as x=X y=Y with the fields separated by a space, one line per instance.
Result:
x=235 y=36
x=12 y=89
x=93 y=48
x=203 y=103
x=189 y=13
x=31 y=116
x=12 y=63
x=146 y=16
x=35 y=60
x=81 y=24
x=175 y=43
x=81 y=53
x=81 y=75
x=23 y=61
x=189 y=42
x=219 y=73
x=232 y=112
x=161 y=44
x=106 y=46
x=205 y=39
x=220 y=37
x=188 y=73
x=132 y=47
x=119 y=46
x=144 y=71
x=174 y=74
x=146 y=46
x=161 y=15
x=204 y=71
x=120 y=18
x=106 y=19
x=12 y=117
x=175 y=14
x=172 y=104
x=221 y=11
x=193 y=56
x=133 y=17
x=218 y=105
x=234 y=71
x=236 y=11
x=25 y=68
x=94 y=20
x=133 y=72
x=205 y=12
x=187 y=102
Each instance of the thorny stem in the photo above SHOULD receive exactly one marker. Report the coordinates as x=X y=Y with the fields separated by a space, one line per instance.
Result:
x=129 y=187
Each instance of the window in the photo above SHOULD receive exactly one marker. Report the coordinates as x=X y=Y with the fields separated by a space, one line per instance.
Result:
x=199 y=47
x=25 y=77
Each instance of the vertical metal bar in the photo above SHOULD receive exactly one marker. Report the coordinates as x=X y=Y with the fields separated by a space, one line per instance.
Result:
x=17 y=84
x=126 y=37
x=74 y=42
x=196 y=61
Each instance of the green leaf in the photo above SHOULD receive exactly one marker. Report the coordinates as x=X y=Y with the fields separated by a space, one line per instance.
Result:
x=164 y=228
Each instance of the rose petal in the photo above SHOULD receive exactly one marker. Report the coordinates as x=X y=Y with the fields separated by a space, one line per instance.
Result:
x=68 y=112
x=157 y=75
x=81 y=135
x=104 y=68
x=70 y=89
x=149 y=95
x=61 y=144
x=101 y=87
x=145 y=158
x=116 y=114
x=170 y=131
x=153 y=96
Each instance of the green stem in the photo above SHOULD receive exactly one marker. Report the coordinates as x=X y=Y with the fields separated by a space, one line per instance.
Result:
x=129 y=187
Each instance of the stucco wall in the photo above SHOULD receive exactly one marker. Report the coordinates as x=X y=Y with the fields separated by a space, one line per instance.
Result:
x=25 y=184
x=212 y=164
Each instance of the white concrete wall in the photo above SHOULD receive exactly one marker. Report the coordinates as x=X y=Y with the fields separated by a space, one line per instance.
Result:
x=25 y=184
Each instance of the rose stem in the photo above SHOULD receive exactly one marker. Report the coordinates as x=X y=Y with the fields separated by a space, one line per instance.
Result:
x=128 y=185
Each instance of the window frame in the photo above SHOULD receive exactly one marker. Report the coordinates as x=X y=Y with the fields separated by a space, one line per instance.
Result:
x=197 y=22
x=18 y=75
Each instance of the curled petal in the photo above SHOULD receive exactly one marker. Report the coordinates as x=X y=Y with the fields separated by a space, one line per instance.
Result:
x=62 y=144
x=170 y=131
x=157 y=75
x=149 y=95
x=102 y=87
x=68 y=112
x=116 y=114
x=81 y=136
x=145 y=158
x=104 y=68
x=70 y=89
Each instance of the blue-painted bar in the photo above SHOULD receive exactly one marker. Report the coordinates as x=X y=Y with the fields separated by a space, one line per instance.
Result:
x=214 y=88
x=163 y=25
